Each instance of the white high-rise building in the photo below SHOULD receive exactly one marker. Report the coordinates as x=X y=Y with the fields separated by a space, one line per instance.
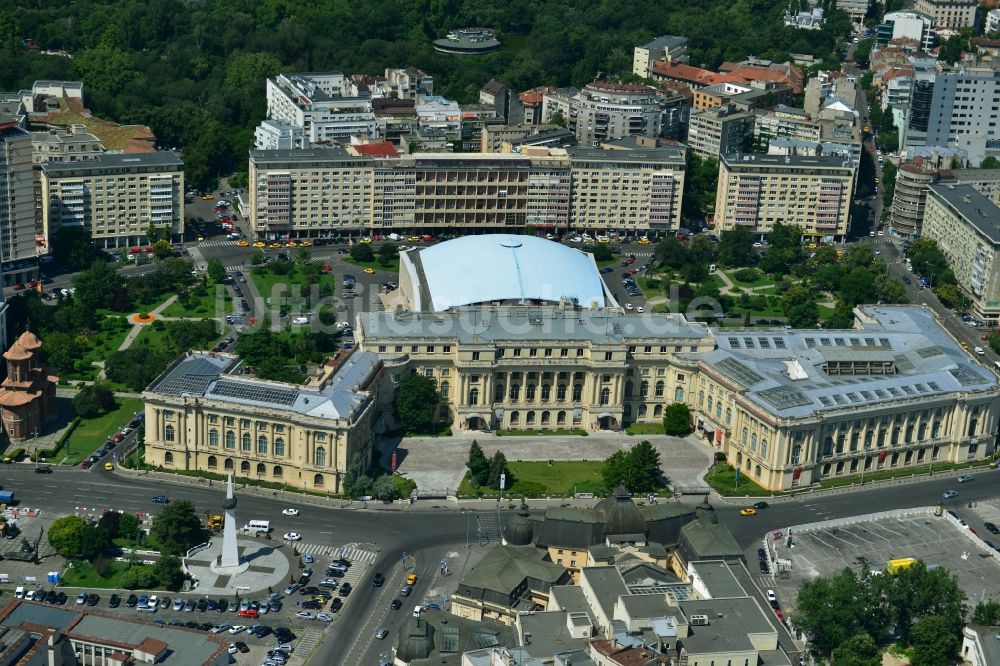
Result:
x=18 y=249
x=322 y=104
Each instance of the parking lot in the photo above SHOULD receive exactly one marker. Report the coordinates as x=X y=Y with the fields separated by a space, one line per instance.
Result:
x=936 y=540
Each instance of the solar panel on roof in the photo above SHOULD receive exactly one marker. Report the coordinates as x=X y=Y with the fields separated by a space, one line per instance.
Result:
x=779 y=343
x=839 y=399
x=853 y=397
x=810 y=342
x=785 y=397
x=856 y=342
x=967 y=377
x=748 y=342
x=870 y=342
x=920 y=388
x=934 y=386
x=825 y=400
x=764 y=343
x=824 y=342
x=255 y=392
x=907 y=389
x=895 y=391
x=840 y=342
x=928 y=352
x=739 y=372
x=868 y=395
x=884 y=342
x=734 y=343
x=449 y=639
x=880 y=393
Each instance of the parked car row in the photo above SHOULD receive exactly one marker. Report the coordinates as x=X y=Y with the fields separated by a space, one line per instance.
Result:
x=113 y=441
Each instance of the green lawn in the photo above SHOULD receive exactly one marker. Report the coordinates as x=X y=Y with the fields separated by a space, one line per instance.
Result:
x=560 y=478
x=722 y=478
x=82 y=574
x=651 y=286
x=91 y=433
x=100 y=345
x=214 y=303
x=269 y=285
x=391 y=267
x=644 y=428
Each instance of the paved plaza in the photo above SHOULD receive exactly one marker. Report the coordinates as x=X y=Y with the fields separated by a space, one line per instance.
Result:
x=269 y=568
x=437 y=464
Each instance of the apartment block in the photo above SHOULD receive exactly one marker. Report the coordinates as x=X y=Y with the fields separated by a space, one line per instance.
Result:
x=409 y=82
x=856 y=9
x=811 y=192
x=609 y=111
x=948 y=14
x=18 y=247
x=963 y=104
x=966 y=226
x=665 y=47
x=992 y=21
x=279 y=135
x=65 y=144
x=322 y=104
x=785 y=121
x=907 y=25
x=116 y=197
x=909 y=200
x=717 y=131
x=324 y=192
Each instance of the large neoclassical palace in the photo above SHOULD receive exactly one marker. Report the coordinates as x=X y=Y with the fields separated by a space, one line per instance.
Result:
x=521 y=333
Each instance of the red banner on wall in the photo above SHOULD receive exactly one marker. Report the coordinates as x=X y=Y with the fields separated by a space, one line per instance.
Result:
x=797 y=473
x=882 y=455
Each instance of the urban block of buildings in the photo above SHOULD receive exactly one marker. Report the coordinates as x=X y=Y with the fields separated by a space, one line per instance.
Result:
x=948 y=14
x=669 y=48
x=324 y=105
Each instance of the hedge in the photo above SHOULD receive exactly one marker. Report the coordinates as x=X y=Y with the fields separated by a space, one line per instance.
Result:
x=15 y=455
x=49 y=454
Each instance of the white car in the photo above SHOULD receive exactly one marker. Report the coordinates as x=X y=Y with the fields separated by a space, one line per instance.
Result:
x=236 y=628
x=980 y=351
x=305 y=615
x=881 y=233
x=290 y=512
x=629 y=306
x=638 y=308
x=292 y=536
x=771 y=596
x=324 y=617
x=232 y=648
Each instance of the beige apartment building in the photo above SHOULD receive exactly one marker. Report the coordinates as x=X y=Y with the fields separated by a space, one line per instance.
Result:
x=719 y=131
x=811 y=192
x=116 y=197
x=948 y=14
x=208 y=412
x=324 y=192
x=966 y=226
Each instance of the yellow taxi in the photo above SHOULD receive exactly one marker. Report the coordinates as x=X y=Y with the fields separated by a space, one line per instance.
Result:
x=305 y=243
x=369 y=271
x=365 y=240
x=644 y=241
x=275 y=245
x=207 y=197
x=291 y=243
x=259 y=244
x=108 y=466
x=244 y=243
x=201 y=238
x=965 y=346
x=411 y=579
x=811 y=246
x=413 y=239
x=748 y=511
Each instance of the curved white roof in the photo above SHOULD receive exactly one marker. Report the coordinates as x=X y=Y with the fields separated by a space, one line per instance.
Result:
x=505 y=267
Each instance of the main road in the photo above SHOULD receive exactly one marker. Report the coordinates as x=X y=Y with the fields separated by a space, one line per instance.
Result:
x=427 y=531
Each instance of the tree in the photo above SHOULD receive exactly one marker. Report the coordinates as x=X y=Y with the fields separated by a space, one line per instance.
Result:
x=935 y=641
x=85 y=403
x=138 y=578
x=478 y=464
x=670 y=252
x=177 y=528
x=72 y=247
x=499 y=472
x=638 y=469
x=355 y=473
x=986 y=613
x=949 y=294
x=829 y=610
x=616 y=469
x=799 y=305
x=96 y=286
x=387 y=253
x=62 y=351
x=735 y=247
x=601 y=252
x=843 y=316
x=216 y=271
x=416 y=403
x=128 y=527
x=162 y=249
x=362 y=252
x=66 y=535
x=384 y=489
x=989 y=162
x=859 y=650
x=700 y=186
x=168 y=573
x=677 y=419
x=109 y=521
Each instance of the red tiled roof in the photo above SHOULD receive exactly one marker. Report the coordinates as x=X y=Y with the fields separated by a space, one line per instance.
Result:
x=376 y=149
x=748 y=73
x=690 y=74
x=535 y=95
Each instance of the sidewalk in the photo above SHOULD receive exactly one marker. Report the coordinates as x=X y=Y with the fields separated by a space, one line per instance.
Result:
x=137 y=328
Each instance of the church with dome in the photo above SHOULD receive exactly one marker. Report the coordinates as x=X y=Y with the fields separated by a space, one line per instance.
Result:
x=28 y=394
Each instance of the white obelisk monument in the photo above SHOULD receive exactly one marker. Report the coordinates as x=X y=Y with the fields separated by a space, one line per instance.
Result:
x=229 y=562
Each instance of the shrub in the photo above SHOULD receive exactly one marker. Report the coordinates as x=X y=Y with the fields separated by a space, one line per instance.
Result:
x=747 y=275
x=138 y=578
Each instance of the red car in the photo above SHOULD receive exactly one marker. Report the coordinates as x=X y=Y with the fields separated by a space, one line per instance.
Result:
x=85 y=464
x=118 y=437
x=630 y=260
x=781 y=616
x=632 y=271
x=250 y=613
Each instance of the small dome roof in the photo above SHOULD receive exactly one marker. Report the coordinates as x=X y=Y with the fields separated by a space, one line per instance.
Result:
x=16 y=398
x=519 y=531
x=621 y=515
x=29 y=341
x=17 y=353
x=416 y=640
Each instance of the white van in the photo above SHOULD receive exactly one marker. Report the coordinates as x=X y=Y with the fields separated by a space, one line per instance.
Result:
x=258 y=526
x=417 y=610
x=19 y=593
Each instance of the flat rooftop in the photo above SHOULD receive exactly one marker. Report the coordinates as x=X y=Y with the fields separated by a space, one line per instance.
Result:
x=740 y=160
x=159 y=158
x=972 y=206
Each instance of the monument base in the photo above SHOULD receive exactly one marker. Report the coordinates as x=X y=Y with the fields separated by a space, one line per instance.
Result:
x=231 y=569
x=262 y=566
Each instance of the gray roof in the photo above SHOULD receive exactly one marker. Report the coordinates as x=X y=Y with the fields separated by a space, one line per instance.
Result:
x=162 y=158
x=570 y=598
x=549 y=634
x=451 y=635
x=730 y=623
x=607 y=584
x=186 y=647
x=505 y=568
x=719 y=579
x=974 y=207
x=647 y=606
x=989 y=643
x=664 y=42
x=927 y=361
x=661 y=155
x=215 y=376
x=740 y=160
x=42 y=614
x=488 y=325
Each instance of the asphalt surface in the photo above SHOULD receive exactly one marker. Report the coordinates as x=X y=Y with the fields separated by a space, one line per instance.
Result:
x=427 y=531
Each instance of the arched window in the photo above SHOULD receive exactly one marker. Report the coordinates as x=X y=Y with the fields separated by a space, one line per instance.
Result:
x=718 y=409
x=753 y=442
x=498 y=393
x=168 y=433
x=319 y=459
x=605 y=395
x=213 y=437
x=628 y=389
x=577 y=392
x=444 y=389
x=245 y=441
x=244 y=467
x=560 y=418
x=711 y=403
x=261 y=444
x=796 y=453
x=763 y=448
x=278 y=472
x=515 y=392
x=515 y=417
x=529 y=392
x=229 y=464
x=318 y=480
x=701 y=398
x=473 y=396
x=658 y=410
x=279 y=446
x=168 y=458
x=545 y=418
x=642 y=411
x=827 y=446
x=230 y=439
x=739 y=458
x=530 y=418
x=561 y=393
x=729 y=416
x=546 y=392
x=643 y=388
x=746 y=435
x=659 y=389
x=212 y=462
x=261 y=469
x=678 y=394
x=757 y=471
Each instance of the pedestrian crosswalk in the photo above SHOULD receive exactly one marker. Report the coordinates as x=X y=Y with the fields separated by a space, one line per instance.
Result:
x=306 y=643
x=234 y=268
x=353 y=554
x=217 y=243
